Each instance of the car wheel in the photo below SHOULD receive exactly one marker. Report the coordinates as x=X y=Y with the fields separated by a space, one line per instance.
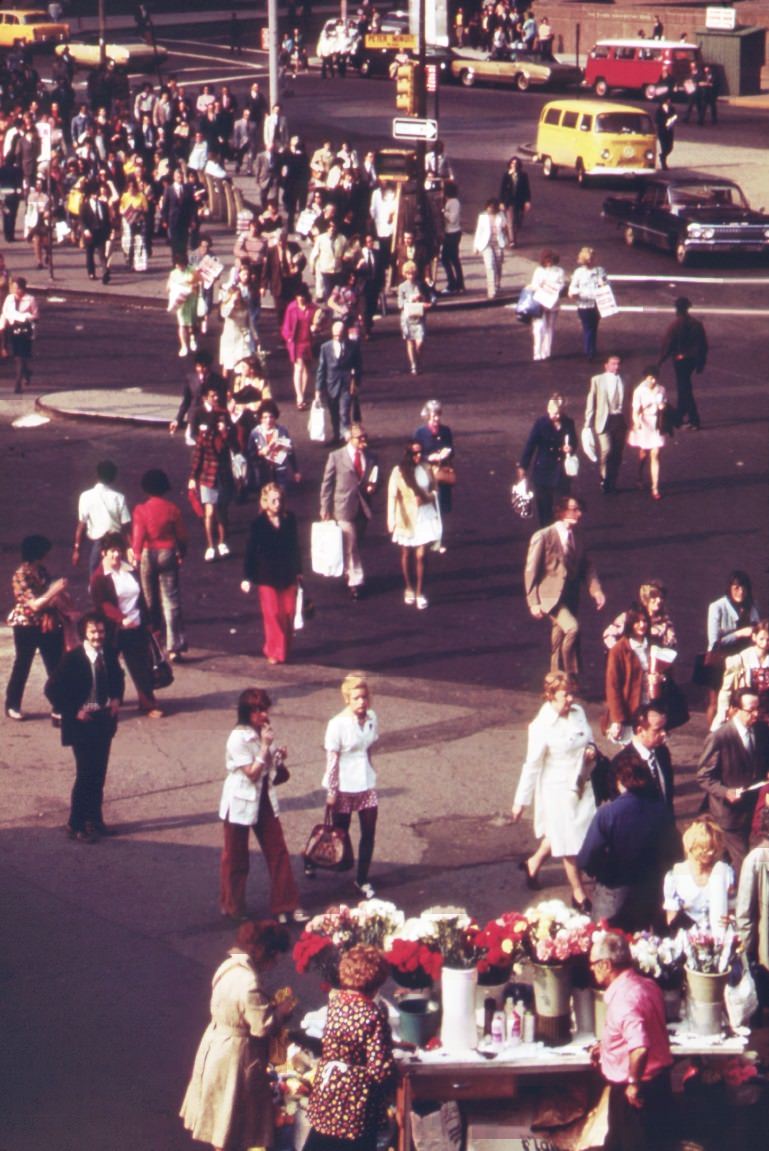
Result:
x=549 y=170
x=581 y=174
x=631 y=236
x=600 y=87
x=467 y=78
x=650 y=92
x=522 y=82
x=682 y=255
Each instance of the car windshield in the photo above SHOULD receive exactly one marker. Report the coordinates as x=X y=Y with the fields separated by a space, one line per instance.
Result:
x=707 y=196
x=624 y=123
x=35 y=18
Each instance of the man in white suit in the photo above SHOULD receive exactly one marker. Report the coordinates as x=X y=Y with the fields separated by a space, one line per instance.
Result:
x=349 y=481
x=604 y=413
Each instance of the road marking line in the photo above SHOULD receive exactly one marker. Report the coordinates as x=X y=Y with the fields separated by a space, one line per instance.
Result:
x=214 y=59
x=232 y=55
x=221 y=79
x=673 y=280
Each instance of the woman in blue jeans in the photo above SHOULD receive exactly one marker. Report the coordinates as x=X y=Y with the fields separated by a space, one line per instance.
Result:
x=160 y=543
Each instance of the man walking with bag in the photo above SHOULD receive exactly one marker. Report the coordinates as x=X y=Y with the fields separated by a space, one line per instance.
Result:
x=349 y=481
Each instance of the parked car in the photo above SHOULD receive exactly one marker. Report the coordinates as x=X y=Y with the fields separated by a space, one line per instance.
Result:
x=595 y=139
x=396 y=20
x=381 y=62
x=636 y=65
x=135 y=55
x=687 y=214
x=30 y=26
x=518 y=67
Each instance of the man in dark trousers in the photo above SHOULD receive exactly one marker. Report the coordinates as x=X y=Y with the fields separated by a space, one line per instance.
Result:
x=86 y=690
x=515 y=197
x=95 y=222
x=349 y=481
x=686 y=343
x=177 y=213
x=556 y=565
x=338 y=378
x=734 y=758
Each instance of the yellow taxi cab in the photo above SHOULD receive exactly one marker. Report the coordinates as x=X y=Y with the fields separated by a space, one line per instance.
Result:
x=595 y=138
x=30 y=26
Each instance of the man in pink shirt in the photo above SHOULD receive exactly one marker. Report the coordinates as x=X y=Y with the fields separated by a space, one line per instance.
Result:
x=634 y=1052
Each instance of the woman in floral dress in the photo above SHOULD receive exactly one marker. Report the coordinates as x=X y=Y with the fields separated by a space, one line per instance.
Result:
x=356 y=1064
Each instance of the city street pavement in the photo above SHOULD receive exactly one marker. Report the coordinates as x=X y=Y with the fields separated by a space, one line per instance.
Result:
x=108 y=949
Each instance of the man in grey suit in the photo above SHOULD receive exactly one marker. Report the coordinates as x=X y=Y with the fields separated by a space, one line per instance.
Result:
x=735 y=757
x=245 y=141
x=349 y=481
x=556 y=565
x=338 y=376
x=604 y=413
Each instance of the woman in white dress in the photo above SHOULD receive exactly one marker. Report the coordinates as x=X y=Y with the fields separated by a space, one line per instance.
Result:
x=350 y=779
x=549 y=280
x=413 y=302
x=414 y=519
x=556 y=774
x=649 y=400
x=700 y=887
x=235 y=342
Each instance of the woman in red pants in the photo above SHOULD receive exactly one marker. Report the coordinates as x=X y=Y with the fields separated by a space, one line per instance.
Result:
x=273 y=564
x=255 y=767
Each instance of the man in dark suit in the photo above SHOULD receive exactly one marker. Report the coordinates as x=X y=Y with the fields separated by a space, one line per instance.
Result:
x=556 y=565
x=349 y=481
x=96 y=225
x=338 y=377
x=647 y=747
x=515 y=197
x=177 y=212
x=734 y=758
x=87 y=690
x=686 y=343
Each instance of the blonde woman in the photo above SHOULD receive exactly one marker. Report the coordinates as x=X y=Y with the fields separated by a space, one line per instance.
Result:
x=414 y=519
x=699 y=888
x=587 y=278
x=648 y=405
x=549 y=280
x=556 y=775
x=350 y=779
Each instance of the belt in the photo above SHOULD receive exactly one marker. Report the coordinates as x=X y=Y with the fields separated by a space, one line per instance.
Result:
x=231 y=1032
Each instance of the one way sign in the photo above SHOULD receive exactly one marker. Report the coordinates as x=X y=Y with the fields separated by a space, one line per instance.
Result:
x=409 y=128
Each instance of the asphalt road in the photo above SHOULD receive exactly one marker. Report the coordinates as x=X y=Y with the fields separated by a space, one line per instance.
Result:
x=108 y=956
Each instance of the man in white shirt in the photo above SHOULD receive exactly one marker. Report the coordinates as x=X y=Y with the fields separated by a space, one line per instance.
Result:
x=604 y=413
x=101 y=510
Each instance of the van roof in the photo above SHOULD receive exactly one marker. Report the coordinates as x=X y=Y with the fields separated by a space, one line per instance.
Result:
x=593 y=106
x=641 y=42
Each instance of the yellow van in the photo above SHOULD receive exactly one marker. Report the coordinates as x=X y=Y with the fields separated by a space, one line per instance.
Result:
x=595 y=138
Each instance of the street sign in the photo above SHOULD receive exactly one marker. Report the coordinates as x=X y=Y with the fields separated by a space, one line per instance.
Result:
x=414 y=129
x=395 y=40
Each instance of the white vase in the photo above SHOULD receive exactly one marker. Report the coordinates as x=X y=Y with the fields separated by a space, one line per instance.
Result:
x=458 y=1028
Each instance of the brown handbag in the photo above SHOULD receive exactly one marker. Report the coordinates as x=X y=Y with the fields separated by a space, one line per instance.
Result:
x=329 y=847
x=444 y=474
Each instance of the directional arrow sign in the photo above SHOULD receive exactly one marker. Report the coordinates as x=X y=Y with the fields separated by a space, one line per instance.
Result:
x=413 y=129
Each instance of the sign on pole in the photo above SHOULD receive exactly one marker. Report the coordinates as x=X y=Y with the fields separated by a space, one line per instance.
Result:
x=414 y=129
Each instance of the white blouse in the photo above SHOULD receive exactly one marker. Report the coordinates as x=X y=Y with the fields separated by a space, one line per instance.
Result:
x=240 y=795
x=345 y=736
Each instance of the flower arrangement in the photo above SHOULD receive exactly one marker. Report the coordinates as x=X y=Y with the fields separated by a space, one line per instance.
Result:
x=326 y=937
x=708 y=953
x=556 y=934
x=662 y=960
x=501 y=942
x=454 y=933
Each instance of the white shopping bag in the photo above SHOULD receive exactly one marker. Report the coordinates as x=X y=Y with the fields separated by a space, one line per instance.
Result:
x=588 y=444
x=299 y=609
x=317 y=423
x=605 y=302
x=326 y=548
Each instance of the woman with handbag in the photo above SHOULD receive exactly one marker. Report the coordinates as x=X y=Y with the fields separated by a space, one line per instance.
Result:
x=160 y=544
x=273 y=564
x=587 y=278
x=36 y=624
x=414 y=519
x=552 y=450
x=437 y=443
x=255 y=767
x=228 y=1102
x=556 y=775
x=356 y=1068
x=413 y=302
x=18 y=318
x=647 y=434
x=116 y=593
x=350 y=779
x=547 y=283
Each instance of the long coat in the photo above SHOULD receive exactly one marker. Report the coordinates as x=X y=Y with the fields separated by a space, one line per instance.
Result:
x=228 y=1101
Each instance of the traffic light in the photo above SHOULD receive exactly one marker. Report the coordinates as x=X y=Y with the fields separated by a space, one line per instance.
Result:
x=406 y=88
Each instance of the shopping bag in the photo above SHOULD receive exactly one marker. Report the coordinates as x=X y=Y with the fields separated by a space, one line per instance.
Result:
x=327 y=554
x=741 y=998
x=299 y=609
x=605 y=302
x=527 y=308
x=329 y=847
x=588 y=444
x=317 y=423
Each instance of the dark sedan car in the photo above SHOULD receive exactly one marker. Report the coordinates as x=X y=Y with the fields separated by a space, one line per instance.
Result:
x=689 y=214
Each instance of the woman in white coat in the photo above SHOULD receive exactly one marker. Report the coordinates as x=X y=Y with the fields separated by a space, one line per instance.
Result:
x=228 y=1102
x=547 y=284
x=556 y=774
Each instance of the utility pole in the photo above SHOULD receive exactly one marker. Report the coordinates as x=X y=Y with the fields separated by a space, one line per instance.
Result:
x=272 y=33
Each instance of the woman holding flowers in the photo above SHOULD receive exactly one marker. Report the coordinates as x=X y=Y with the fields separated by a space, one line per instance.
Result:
x=350 y=779
x=697 y=890
x=556 y=774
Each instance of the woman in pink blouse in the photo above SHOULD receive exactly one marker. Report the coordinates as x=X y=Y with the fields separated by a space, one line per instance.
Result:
x=299 y=325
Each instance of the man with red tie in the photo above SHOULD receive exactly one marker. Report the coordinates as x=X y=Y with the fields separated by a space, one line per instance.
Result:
x=349 y=481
